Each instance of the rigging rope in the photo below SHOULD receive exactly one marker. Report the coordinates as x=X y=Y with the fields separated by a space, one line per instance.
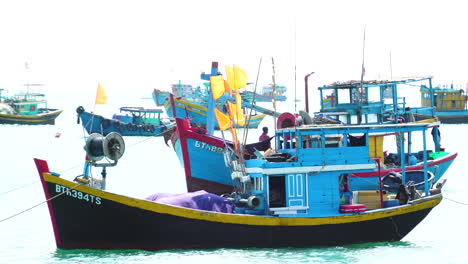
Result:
x=34 y=206
x=73 y=167
x=18 y=188
x=445 y=197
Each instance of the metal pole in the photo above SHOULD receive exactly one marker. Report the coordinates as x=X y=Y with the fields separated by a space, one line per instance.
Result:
x=307 y=92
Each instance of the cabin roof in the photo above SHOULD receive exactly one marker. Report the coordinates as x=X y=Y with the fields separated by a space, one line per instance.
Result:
x=368 y=83
x=140 y=110
x=439 y=89
x=376 y=128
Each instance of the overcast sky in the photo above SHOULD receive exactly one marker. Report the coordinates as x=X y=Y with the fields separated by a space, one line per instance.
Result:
x=140 y=45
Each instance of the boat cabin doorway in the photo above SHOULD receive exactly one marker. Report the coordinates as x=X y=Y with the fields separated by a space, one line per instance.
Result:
x=277 y=191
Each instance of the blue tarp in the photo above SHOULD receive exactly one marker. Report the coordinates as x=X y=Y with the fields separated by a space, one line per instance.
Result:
x=200 y=200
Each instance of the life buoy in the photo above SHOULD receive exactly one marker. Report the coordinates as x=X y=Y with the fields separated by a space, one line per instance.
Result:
x=105 y=123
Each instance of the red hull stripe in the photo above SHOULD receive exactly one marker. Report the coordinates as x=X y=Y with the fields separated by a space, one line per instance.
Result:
x=43 y=167
x=418 y=167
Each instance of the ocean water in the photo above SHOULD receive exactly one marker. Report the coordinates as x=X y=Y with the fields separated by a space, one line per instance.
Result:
x=150 y=166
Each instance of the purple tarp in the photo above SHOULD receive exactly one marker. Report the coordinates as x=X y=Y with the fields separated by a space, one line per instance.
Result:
x=200 y=200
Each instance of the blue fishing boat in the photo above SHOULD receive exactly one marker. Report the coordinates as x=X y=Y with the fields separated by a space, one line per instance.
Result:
x=298 y=197
x=449 y=102
x=202 y=156
x=27 y=109
x=193 y=148
x=130 y=121
x=197 y=112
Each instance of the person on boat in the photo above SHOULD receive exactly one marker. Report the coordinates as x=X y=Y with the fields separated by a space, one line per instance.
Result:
x=264 y=135
x=435 y=132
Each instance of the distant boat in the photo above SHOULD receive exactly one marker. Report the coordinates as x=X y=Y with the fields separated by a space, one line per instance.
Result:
x=131 y=121
x=196 y=111
x=297 y=198
x=197 y=105
x=266 y=94
x=27 y=109
x=450 y=104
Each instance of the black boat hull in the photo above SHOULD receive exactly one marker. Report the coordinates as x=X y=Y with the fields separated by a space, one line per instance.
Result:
x=84 y=217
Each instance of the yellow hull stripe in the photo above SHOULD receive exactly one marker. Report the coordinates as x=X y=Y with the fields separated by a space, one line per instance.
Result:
x=243 y=219
x=428 y=121
x=29 y=118
x=253 y=120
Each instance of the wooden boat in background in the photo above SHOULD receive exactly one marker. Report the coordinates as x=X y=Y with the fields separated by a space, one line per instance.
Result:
x=193 y=103
x=131 y=121
x=449 y=102
x=196 y=112
x=266 y=94
x=27 y=109
x=299 y=202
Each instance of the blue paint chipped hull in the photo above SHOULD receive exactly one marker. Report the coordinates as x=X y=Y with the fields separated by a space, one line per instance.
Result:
x=97 y=124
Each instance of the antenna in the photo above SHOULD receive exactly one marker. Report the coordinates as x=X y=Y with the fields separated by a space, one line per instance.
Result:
x=391 y=67
x=363 y=71
x=295 y=82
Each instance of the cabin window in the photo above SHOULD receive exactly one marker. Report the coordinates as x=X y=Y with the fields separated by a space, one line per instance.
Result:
x=333 y=141
x=277 y=191
x=356 y=141
x=328 y=98
x=343 y=97
x=454 y=104
x=359 y=95
x=374 y=94
x=311 y=142
x=372 y=118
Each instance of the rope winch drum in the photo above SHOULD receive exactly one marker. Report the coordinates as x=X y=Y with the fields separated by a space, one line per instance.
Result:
x=111 y=146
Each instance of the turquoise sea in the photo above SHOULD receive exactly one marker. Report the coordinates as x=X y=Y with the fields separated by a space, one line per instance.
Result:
x=150 y=166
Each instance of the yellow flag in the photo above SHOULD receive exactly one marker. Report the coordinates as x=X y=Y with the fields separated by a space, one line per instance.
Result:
x=223 y=120
x=240 y=113
x=226 y=87
x=230 y=78
x=234 y=139
x=235 y=111
x=101 y=97
x=236 y=77
x=241 y=77
x=217 y=86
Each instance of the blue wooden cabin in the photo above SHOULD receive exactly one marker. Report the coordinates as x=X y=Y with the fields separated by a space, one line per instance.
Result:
x=308 y=174
x=370 y=101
